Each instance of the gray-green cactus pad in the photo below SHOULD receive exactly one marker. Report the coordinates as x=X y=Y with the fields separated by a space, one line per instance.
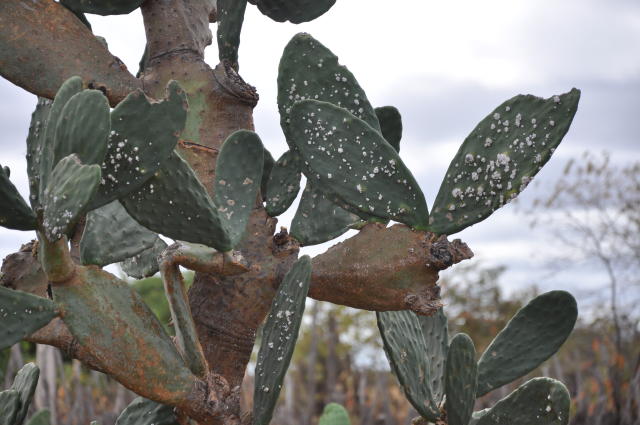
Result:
x=142 y=411
x=82 y=128
x=174 y=203
x=279 y=337
x=145 y=263
x=9 y=407
x=390 y=125
x=238 y=178
x=308 y=70
x=143 y=135
x=294 y=11
x=22 y=314
x=318 y=220
x=111 y=235
x=461 y=380
x=25 y=384
x=405 y=347
x=230 y=18
x=283 y=184
x=540 y=401
x=14 y=211
x=69 y=190
x=334 y=414
x=436 y=335
x=35 y=143
x=267 y=166
x=533 y=335
x=103 y=7
x=42 y=417
x=500 y=157
x=350 y=161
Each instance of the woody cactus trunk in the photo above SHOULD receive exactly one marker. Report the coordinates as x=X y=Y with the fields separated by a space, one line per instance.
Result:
x=115 y=160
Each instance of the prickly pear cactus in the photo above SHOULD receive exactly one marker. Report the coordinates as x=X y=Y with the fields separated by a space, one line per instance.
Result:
x=230 y=18
x=14 y=211
x=334 y=414
x=42 y=417
x=390 y=125
x=22 y=314
x=25 y=384
x=461 y=380
x=283 y=184
x=294 y=11
x=145 y=263
x=9 y=407
x=436 y=334
x=146 y=412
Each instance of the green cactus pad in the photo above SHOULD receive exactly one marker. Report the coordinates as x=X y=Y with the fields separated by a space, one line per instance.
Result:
x=318 y=220
x=436 y=335
x=390 y=125
x=9 y=407
x=230 y=18
x=35 y=145
x=70 y=188
x=499 y=158
x=22 y=314
x=111 y=235
x=14 y=211
x=334 y=414
x=279 y=337
x=461 y=380
x=238 y=178
x=294 y=11
x=540 y=401
x=143 y=135
x=405 y=347
x=42 y=417
x=103 y=7
x=267 y=166
x=347 y=159
x=308 y=70
x=174 y=203
x=533 y=335
x=82 y=128
x=145 y=263
x=284 y=183
x=25 y=384
x=142 y=411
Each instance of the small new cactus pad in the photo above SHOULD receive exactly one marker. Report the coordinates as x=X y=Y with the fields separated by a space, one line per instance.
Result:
x=111 y=235
x=22 y=314
x=461 y=380
x=122 y=323
x=318 y=220
x=533 y=335
x=69 y=190
x=25 y=384
x=267 y=166
x=334 y=414
x=82 y=128
x=103 y=7
x=145 y=263
x=238 y=178
x=283 y=184
x=42 y=417
x=405 y=347
x=294 y=11
x=230 y=18
x=143 y=135
x=279 y=337
x=390 y=125
x=35 y=143
x=347 y=159
x=9 y=407
x=14 y=211
x=436 y=335
x=308 y=70
x=174 y=203
x=540 y=401
x=142 y=411
x=500 y=157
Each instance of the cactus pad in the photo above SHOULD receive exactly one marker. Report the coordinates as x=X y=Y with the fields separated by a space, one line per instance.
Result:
x=533 y=335
x=499 y=158
x=111 y=235
x=334 y=414
x=294 y=11
x=25 y=384
x=318 y=220
x=174 y=203
x=230 y=18
x=279 y=337
x=69 y=190
x=540 y=401
x=142 y=411
x=436 y=335
x=14 y=211
x=405 y=347
x=35 y=143
x=42 y=417
x=390 y=125
x=145 y=263
x=22 y=314
x=238 y=178
x=461 y=380
x=9 y=407
x=347 y=159
x=103 y=7
x=267 y=166
x=283 y=184
x=143 y=135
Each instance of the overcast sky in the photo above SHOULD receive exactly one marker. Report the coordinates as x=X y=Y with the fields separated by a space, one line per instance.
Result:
x=444 y=65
